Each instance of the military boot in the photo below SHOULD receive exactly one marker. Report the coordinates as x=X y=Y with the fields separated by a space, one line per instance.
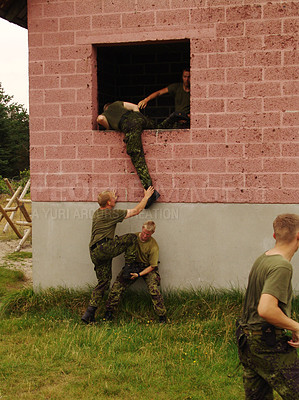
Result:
x=152 y=199
x=89 y=316
x=162 y=319
x=108 y=315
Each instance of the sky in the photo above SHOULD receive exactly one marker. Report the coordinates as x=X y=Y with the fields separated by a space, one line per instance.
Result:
x=14 y=62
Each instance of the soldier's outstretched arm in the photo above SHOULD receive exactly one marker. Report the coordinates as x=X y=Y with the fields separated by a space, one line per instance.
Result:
x=143 y=103
x=140 y=206
x=145 y=271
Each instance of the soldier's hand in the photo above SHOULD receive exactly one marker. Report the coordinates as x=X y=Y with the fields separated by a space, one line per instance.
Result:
x=149 y=192
x=134 y=275
x=294 y=342
x=142 y=104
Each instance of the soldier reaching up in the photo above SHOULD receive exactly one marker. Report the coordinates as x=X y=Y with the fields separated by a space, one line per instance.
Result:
x=104 y=246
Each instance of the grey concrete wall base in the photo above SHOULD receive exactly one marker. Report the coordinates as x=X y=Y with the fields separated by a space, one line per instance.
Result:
x=200 y=244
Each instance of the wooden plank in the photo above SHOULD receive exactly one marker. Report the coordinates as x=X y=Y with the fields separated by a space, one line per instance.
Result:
x=26 y=223
x=10 y=209
x=6 y=216
x=23 y=240
x=10 y=201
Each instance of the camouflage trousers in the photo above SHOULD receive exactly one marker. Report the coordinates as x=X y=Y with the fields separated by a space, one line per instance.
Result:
x=152 y=280
x=132 y=125
x=269 y=367
x=174 y=122
x=102 y=257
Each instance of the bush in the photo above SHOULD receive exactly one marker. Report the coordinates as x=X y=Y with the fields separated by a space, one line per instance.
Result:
x=21 y=180
x=24 y=177
x=3 y=188
x=14 y=136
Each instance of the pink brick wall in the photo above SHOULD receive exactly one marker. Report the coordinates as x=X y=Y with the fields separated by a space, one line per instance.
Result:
x=243 y=145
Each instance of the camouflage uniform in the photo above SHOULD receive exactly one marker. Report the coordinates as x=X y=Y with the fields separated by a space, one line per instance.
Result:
x=102 y=257
x=132 y=124
x=174 y=122
x=269 y=362
x=152 y=280
x=267 y=367
x=182 y=108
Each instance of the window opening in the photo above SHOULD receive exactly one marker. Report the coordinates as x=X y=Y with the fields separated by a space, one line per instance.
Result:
x=131 y=72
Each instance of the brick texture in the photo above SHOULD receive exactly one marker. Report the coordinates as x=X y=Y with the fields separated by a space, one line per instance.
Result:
x=243 y=145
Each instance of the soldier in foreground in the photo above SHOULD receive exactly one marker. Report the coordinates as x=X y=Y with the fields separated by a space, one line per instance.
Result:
x=104 y=246
x=268 y=355
x=145 y=266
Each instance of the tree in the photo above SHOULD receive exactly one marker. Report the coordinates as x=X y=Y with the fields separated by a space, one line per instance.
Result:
x=14 y=137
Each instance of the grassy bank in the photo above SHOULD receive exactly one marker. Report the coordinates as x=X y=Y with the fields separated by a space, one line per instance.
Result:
x=46 y=353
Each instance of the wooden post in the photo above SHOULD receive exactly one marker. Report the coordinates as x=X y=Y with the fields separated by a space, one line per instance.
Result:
x=6 y=216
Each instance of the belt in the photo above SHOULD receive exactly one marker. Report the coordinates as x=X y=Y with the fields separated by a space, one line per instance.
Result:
x=250 y=332
x=98 y=243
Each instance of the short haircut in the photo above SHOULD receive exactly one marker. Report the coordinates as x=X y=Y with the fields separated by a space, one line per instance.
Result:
x=106 y=106
x=104 y=197
x=285 y=227
x=149 y=226
x=186 y=68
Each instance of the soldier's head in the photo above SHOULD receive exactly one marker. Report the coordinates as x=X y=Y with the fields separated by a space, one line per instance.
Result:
x=148 y=228
x=186 y=77
x=106 y=106
x=286 y=228
x=107 y=199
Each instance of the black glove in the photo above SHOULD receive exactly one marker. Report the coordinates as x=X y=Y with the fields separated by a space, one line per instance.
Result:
x=131 y=268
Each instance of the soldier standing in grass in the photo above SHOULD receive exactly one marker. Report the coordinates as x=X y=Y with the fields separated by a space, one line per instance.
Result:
x=268 y=355
x=126 y=117
x=145 y=266
x=104 y=246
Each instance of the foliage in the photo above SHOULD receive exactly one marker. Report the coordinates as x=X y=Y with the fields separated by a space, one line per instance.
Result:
x=3 y=187
x=24 y=176
x=14 y=137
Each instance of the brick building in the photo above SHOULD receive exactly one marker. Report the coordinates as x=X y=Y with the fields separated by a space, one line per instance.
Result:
x=222 y=182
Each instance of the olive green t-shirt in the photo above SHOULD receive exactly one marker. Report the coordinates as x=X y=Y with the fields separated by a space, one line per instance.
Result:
x=181 y=98
x=114 y=113
x=269 y=275
x=104 y=224
x=148 y=252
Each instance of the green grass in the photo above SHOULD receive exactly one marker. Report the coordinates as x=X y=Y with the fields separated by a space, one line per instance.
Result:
x=65 y=360
x=47 y=353
x=18 y=255
x=51 y=355
x=10 y=280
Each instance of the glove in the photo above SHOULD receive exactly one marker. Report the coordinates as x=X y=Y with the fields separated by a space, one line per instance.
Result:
x=129 y=269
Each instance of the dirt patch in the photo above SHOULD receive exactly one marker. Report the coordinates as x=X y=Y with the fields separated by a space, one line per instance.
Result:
x=22 y=264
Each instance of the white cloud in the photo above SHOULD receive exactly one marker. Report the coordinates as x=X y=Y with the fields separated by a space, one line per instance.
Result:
x=14 y=61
